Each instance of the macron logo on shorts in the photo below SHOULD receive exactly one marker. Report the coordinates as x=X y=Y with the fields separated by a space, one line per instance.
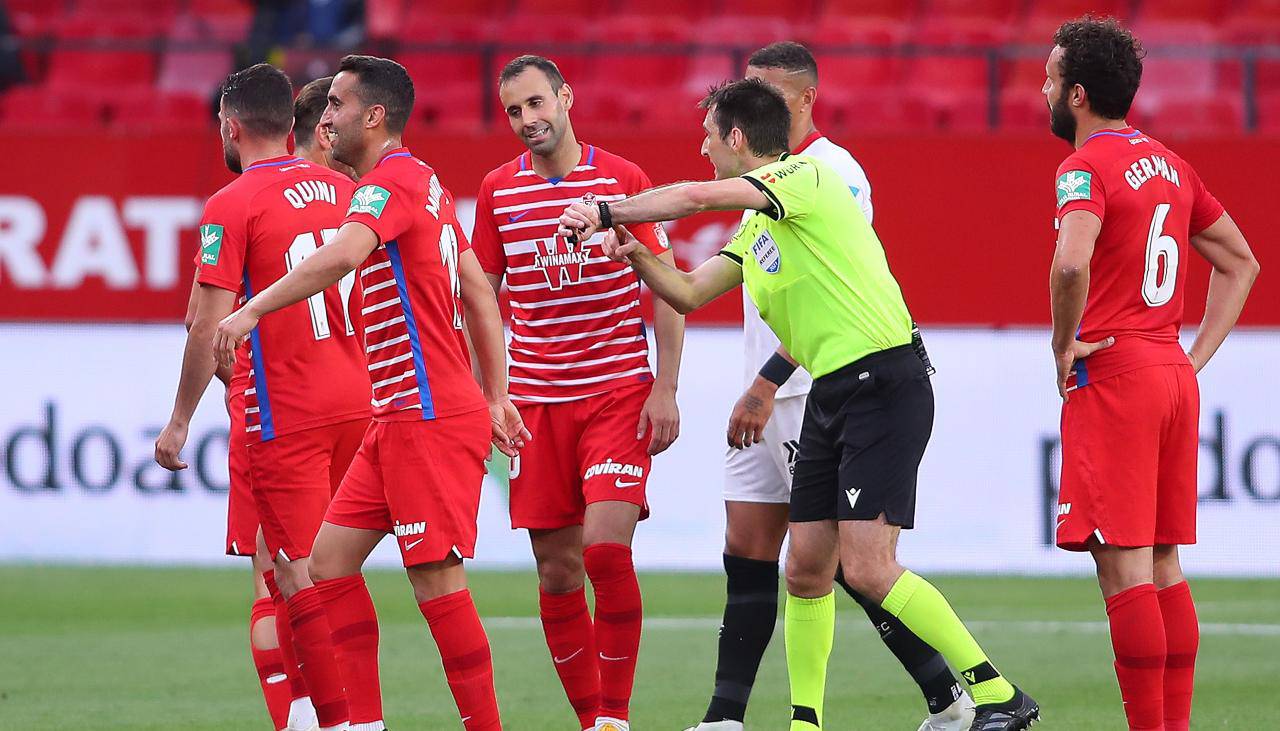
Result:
x=609 y=467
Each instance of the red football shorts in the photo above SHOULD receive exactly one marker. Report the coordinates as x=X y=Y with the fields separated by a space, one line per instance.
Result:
x=582 y=452
x=242 y=514
x=421 y=481
x=295 y=476
x=1129 y=450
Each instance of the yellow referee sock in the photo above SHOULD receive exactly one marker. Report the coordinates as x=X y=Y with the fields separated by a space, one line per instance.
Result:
x=923 y=609
x=809 y=628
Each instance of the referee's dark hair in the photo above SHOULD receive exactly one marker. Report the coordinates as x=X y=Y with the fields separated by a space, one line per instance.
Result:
x=756 y=108
x=789 y=56
x=1104 y=58
x=261 y=98
x=517 y=65
x=385 y=83
x=308 y=108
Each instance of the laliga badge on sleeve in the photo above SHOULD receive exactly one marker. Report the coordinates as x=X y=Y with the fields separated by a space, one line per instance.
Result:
x=765 y=250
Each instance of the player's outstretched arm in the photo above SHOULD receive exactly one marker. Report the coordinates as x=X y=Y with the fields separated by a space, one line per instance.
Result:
x=684 y=291
x=1068 y=290
x=1234 y=271
x=209 y=305
x=484 y=327
x=665 y=203
x=351 y=245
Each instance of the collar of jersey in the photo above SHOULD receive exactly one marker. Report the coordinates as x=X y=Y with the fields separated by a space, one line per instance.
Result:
x=398 y=152
x=813 y=137
x=275 y=162
x=587 y=157
x=1133 y=132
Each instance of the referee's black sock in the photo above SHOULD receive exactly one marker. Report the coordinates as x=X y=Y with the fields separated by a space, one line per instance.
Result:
x=750 y=612
x=925 y=664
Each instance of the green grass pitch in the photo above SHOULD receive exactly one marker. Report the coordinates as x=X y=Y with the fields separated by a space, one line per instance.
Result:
x=141 y=648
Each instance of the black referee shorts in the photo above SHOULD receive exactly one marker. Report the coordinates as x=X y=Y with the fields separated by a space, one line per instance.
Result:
x=865 y=430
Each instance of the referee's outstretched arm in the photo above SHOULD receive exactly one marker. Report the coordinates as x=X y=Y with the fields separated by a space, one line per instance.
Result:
x=684 y=291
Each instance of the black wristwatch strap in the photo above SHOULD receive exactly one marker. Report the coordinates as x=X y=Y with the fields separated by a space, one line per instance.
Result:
x=606 y=218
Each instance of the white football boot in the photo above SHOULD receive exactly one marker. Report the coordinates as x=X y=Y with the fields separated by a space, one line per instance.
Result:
x=956 y=717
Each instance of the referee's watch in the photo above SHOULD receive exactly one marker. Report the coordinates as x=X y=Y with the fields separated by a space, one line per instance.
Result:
x=606 y=218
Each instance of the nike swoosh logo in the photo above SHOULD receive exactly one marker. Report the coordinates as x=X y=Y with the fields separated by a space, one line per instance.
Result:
x=513 y=217
x=409 y=546
x=620 y=483
x=1061 y=521
x=563 y=660
x=614 y=659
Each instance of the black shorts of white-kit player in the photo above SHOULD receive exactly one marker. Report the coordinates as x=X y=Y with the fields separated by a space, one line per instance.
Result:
x=865 y=429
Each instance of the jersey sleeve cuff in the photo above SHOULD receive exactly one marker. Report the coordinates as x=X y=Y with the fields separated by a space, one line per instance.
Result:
x=778 y=211
x=220 y=282
x=1082 y=205
x=368 y=222
x=730 y=256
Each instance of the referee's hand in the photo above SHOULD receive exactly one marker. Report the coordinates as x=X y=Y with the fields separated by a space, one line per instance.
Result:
x=751 y=413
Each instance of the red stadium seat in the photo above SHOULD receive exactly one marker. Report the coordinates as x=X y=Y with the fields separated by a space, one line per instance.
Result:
x=641 y=70
x=431 y=69
x=1179 y=11
x=1022 y=113
x=37 y=107
x=228 y=28
x=193 y=72
x=793 y=10
x=117 y=24
x=1178 y=63
x=874 y=111
x=149 y=110
x=752 y=30
x=1269 y=114
x=558 y=8
x=36 y=17
x=849 y=73
x=384 y=18
x=687 y=9
x=994 y=11
x=101 y=71
x=1203 y=116
x=1045 y=16
x=887 y=18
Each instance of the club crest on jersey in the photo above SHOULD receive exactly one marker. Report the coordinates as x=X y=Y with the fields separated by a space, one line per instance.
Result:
x=1074 y=185
x=370 y=199
x=210 y=243
x=560 y=260
x=765 y=250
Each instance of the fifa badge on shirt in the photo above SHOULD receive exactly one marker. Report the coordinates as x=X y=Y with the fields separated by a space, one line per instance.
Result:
x=370 y=199
x=210 y=243
x=766 y=252
x=1074 y=185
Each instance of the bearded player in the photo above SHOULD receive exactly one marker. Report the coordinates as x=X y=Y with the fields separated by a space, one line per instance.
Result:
x=580 y=372
x=1129 y=210
x=305 y=405
x=420 y=467
x=764 y=439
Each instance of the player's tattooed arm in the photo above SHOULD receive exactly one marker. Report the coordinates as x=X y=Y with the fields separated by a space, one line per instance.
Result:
x=1068 y=290
x=1234 y=271
x=755 y=406
x=351 y=245
x=684 y=291
x=209 y=305
x=666 y=203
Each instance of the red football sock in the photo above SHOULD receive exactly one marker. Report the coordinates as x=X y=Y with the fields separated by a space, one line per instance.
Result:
x=1182 y=636
x=617 y=623
x=1137 y=636
x=464 y=652
x=270 y=665
x=284 y=633
x=314 y=645
x=354 y=624
x=566 y=622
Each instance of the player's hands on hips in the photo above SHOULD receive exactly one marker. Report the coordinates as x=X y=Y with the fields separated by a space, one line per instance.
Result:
x=509 y=432
x=751 y=413
x=619 y=244
x=581 y=220
x=232 y=331
x=660 y=419
x=1066 y=359
x=169 y=444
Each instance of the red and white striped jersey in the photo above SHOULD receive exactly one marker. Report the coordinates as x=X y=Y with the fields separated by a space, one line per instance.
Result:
x=576 y=327
x=411 y=308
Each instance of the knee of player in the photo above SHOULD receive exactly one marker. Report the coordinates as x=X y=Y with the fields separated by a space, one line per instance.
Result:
x=561 y=573
x=320 y=568
x=806 y=579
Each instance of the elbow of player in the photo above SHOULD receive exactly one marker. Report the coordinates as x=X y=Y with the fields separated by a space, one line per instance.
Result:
x=684 y=305
x=1070 y=272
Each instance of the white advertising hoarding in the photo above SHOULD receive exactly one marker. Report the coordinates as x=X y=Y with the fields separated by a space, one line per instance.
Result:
x=83 y=405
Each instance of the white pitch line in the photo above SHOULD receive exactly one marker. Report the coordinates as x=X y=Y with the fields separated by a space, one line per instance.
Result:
x=1048 y=626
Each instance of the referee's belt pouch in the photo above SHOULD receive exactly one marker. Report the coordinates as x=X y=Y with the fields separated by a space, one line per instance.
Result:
x=917 y=344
